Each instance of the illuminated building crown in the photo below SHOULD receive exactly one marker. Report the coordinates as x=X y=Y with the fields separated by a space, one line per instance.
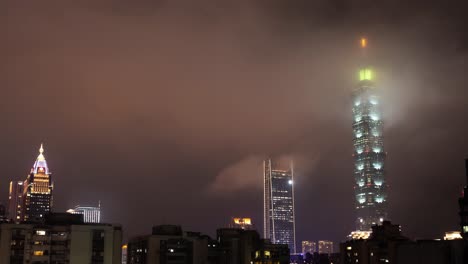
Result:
x=40 y=165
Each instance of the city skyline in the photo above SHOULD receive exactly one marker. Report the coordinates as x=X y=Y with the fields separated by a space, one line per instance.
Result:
x=164 y=111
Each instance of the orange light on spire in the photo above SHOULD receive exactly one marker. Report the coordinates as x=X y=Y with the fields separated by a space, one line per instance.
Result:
x=363 y=42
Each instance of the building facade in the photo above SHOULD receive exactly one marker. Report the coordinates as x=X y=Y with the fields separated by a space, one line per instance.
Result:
x=3 y=213
x=309 y=247
x=369 y=152
x=279 y=216
x=15 y=200
x=60 y=238
x=168 y=244
x=37 y=192
x=463 y=203
x=325 y=247
x=90 y=214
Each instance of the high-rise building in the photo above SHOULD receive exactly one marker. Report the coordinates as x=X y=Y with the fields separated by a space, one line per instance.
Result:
x=90 y=214
x=37 y=193
x=325 y=247
x=463 y=203
x=309 y=247
x=279 y=216
x=15 y=200
x=369 y=153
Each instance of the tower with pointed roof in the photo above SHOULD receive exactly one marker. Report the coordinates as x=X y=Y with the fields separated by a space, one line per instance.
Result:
x=369 y=153
x=38 y=186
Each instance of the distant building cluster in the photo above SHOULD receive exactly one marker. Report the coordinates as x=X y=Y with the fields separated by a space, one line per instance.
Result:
x=170 y=244
x=309 y=247
x=387 y=245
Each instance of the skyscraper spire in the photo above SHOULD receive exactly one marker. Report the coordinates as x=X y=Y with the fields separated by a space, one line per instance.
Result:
x=40 y=163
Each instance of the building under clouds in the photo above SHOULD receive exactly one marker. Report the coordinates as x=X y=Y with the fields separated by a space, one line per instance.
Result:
x=369 y=153
x=279 y=217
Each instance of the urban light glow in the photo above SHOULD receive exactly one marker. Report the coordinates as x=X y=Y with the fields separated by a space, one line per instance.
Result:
x=365 y=74
x=453 y=235
x=363 y=42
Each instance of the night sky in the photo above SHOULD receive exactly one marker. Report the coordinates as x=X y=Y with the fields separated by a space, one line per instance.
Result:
x=164 y=110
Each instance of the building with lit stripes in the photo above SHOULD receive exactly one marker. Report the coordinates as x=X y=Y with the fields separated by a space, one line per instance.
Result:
x=369 y=152
x=279 y=216
x=90 y=214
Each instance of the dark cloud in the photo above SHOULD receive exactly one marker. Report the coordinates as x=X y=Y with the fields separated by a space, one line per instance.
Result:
x=154 y=107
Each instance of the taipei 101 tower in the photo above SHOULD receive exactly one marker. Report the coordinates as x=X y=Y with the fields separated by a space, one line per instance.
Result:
x=369 y=152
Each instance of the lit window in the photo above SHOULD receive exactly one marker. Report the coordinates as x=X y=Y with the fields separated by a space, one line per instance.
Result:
x=38 y=253
x=40 y=232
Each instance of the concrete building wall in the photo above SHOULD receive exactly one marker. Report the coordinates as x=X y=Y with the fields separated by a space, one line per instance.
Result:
x=80 y=245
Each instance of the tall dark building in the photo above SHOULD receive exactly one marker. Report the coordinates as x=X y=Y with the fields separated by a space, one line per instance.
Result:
x=279 y=216
x=37 y=195
x=369 y=153
x=463 y=202
x=3 y=213
x=15 y=201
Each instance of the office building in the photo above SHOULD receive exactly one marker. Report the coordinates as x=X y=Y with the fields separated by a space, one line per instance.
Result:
x=309 y=247
x=279 y=216
x=90 y=214
x=325 y=247
x=60 y=238
x=463 y=203
x=37 y=192
x=369 y=152
x=15 y=200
